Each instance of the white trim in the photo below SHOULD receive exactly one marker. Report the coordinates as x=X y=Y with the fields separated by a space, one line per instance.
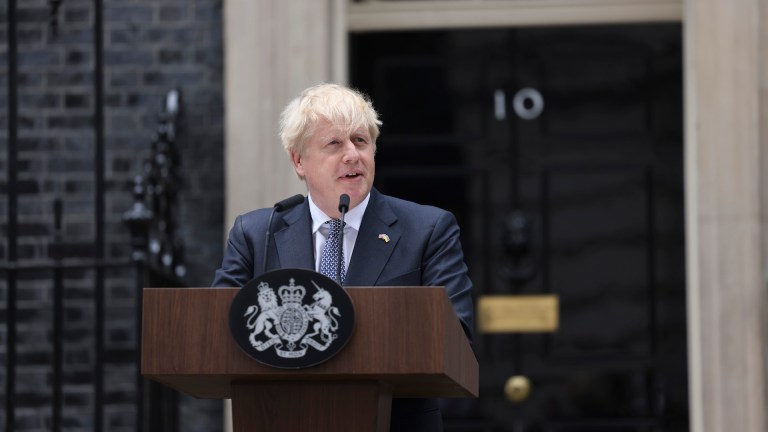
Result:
x=339 y=46
x=692 y=231
x=426 y=14
x=726 y=295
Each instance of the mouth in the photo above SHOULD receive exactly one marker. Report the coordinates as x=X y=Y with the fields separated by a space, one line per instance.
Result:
x=352 y=175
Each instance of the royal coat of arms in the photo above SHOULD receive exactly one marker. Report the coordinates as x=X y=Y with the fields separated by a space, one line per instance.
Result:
x=290 y=325
x=285 y=325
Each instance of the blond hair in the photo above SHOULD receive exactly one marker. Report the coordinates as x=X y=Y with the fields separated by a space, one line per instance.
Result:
x=326 y=102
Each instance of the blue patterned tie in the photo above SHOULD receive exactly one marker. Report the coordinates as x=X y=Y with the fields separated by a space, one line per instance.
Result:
x=329 y=259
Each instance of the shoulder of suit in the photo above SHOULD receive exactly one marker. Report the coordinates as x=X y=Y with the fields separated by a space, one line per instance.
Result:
x=256 y=214
x=406 y=208
x=260 y=217
x=253 y=218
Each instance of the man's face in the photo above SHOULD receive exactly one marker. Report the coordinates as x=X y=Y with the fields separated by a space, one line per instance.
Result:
x=336 y=161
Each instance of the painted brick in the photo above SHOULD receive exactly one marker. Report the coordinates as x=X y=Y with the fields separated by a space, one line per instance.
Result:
x=78 y=57
x=31 y=15
x=77 y=250
x=176 y=36
x=113 y=100
x=38 y=57
x=134 y=14
x=72 y=37
x=33 y=229
x=123 y=36
x=39 y=100
x=26 y=251
x=77 y=100
x=34 y=358
x=29 y=79
x=124 y=78
x=29 y=121
x=72 y=420
x=78 y=186
x=172 y=13
x=119 y=57
x=36 y=144
x=73 y=15
x=34 y=166
x=33 y=36
x=74 y=164
x=77 y=377
x=69 y=122
x=75 y=397
x=29 y=420
x=170 y=56
x=150 y=45
x=69 y=78
x=24 y=187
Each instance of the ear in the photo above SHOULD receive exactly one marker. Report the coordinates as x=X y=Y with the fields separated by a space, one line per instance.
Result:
x=296 y=159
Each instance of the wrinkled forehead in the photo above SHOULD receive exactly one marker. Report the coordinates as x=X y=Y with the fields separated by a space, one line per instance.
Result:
x=340 y=127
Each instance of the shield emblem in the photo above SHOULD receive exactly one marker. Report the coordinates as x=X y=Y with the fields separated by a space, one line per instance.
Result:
x=293 y=323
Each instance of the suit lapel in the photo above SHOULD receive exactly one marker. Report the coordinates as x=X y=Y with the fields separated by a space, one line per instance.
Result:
x=294 y=239
x=371 y=253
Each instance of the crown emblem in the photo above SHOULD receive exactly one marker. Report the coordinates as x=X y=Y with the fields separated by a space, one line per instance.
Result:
x=263 y=286
x=291 y=293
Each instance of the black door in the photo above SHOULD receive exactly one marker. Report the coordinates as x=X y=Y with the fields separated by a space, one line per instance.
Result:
x=560 y=152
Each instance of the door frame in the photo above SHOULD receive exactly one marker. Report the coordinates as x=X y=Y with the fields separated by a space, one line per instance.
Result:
x=726 y=144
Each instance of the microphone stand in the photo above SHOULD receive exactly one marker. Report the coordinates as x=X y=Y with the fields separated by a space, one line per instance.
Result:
x=343 y=207
x=280 y=206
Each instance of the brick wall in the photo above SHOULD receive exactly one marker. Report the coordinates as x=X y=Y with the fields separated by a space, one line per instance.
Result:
x=150 y=46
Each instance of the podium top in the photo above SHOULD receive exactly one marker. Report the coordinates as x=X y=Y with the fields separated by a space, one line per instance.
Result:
x=406 y=338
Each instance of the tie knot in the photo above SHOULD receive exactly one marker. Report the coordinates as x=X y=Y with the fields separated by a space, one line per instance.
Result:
x=335 y=225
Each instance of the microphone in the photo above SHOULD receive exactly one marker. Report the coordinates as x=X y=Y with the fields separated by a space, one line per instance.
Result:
x=289 y=202
x=343 y=203
x=280 y=206
x=343 y=208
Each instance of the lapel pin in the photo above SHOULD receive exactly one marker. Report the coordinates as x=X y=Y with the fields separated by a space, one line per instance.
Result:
x=384 y=237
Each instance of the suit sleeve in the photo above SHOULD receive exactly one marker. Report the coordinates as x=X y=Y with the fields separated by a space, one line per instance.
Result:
x=444 y=265
x=237 y=265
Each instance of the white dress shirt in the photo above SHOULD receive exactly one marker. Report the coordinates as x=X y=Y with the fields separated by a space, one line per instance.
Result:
x=352 y=221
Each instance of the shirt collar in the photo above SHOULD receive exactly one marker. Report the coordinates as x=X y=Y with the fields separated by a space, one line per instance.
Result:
x=353 y=218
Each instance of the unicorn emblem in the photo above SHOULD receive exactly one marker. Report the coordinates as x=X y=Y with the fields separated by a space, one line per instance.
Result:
x=323 y=311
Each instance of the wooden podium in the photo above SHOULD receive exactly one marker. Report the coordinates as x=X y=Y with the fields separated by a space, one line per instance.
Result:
x=407 y=343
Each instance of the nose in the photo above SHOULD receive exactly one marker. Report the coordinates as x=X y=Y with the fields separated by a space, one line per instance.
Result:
x=350 y=152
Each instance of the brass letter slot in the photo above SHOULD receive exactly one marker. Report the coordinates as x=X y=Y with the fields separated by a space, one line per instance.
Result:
x=517 y=313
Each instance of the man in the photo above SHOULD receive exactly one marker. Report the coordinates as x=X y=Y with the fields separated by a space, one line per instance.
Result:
x=330 y=134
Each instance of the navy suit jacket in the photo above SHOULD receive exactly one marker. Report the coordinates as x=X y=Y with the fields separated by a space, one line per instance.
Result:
x=424 y=250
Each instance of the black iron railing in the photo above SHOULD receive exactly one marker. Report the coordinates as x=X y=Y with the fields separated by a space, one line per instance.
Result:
x=156 y=258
